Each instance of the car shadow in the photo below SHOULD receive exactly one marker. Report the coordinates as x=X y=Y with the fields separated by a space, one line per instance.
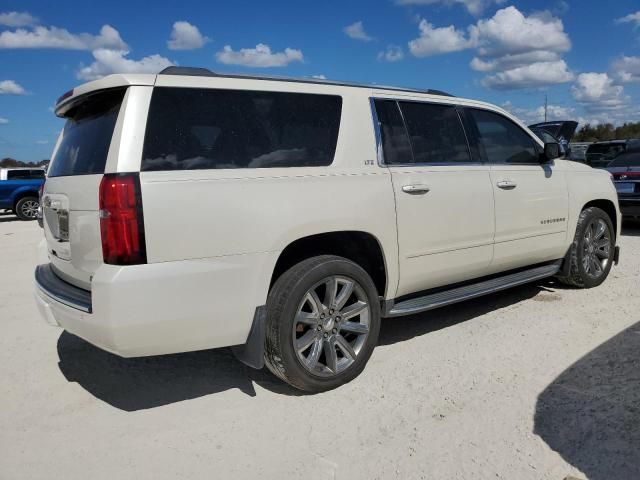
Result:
x=400 y=329
x=132 y=384
x=8 y=217
x=590 y=414
x=631 y=229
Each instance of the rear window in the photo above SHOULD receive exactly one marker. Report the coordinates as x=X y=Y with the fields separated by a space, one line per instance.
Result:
x=629 y=159
x=87 y=135
x=191 y=129
x=24 y=174
x=606 y=150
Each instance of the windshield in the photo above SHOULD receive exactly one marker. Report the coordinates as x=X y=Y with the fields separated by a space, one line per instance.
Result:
x=87 y=135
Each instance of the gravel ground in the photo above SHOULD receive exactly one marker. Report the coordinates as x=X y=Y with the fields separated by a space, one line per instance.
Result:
x=540 y=382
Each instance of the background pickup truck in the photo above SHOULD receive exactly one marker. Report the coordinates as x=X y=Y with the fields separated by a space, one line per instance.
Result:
x=19 y=188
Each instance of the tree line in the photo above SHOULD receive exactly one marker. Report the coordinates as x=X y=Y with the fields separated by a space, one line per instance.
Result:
x=607 y=131
x=13 y=163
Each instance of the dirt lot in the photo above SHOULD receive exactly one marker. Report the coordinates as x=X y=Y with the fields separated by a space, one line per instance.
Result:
x=540 y=382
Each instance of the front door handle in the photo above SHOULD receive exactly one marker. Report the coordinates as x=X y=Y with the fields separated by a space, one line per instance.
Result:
x=507 y=184
x=415 y=189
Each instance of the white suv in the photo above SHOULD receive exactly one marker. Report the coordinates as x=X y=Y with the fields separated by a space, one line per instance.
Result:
x=189 y=210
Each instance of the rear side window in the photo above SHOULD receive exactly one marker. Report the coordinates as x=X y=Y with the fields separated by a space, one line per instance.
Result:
x=501 y=140
x=436 y=133
x=87 y=135
x=191 y=128
x=395 y=141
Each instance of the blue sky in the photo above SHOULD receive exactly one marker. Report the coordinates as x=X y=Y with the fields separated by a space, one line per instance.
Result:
x=583 y=54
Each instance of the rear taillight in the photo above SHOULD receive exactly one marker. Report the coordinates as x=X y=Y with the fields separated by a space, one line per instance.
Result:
x=121 y=221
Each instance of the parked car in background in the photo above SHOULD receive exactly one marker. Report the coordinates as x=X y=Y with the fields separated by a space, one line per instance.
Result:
x=560 y=131
x=19 y=189
x=600 y=154
x=625 y=169
x=578 y=151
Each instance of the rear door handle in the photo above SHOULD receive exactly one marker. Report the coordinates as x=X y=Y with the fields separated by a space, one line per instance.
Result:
x=507 y=184
x=415 y=189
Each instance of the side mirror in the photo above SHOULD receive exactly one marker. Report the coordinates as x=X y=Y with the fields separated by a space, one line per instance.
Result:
x=551 y=151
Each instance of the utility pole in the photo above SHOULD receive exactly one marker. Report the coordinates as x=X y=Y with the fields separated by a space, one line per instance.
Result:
x=545 y=107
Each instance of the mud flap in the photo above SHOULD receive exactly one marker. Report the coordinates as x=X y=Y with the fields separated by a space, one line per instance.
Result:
x=251 y=353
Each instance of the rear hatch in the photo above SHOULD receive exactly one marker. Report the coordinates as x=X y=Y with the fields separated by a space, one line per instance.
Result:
x=70 y=199
x=562 y=130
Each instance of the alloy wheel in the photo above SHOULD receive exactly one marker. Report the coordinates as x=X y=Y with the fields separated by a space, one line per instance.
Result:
x=331 y=326
x=596 y=248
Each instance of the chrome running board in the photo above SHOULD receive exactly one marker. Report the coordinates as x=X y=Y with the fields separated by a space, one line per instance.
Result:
x=467 y=292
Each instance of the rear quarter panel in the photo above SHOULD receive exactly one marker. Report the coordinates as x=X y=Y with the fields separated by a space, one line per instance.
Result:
x=197 y=214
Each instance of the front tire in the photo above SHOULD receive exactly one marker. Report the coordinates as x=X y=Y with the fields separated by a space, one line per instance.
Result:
x=591 y=253
x=323 y=320
x=27 y=208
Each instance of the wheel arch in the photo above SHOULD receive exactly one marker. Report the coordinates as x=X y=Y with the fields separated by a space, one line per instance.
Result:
x=361 y=247
x=20 y=194
x=608 y=207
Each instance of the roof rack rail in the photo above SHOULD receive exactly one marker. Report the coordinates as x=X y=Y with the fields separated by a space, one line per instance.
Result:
x=205 y=72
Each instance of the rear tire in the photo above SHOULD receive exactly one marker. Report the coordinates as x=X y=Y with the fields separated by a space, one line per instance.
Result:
x=591 y=253
x=27 y=208
x=323 y=320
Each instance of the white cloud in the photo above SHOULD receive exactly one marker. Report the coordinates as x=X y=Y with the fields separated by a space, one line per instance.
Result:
x=514 y=50
x=9 y=87
x=436 y=41
x=3 y=121
x=261 y=56
x=17 y=19
x=356 y=31
x=597 y=92
x=319 y=77
x=631 y=18
x=115 y=61
x=510 y=32
x=530 y=76
x=536 y=115
x=475 y=7
x=185 y=36
x=393 y=53
x=627 y=69
x=54 y=37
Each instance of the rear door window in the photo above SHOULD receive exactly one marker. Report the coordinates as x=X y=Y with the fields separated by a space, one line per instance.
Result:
x=190 y=128
x=395 y=140
x=87 y=135
x=435 y=132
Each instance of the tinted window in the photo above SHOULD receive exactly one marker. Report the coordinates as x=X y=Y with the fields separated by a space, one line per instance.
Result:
x=37 y=174
x=87 y=135
x=605 y=151
x=436 y=133
x=192 y=128
x=628 y=159
x=395 y=141
x=501 y=140
x=18 y=175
